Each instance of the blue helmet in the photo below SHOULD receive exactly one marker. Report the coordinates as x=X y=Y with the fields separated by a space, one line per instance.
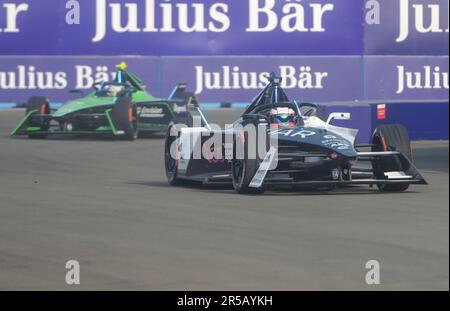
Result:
x=283 y=116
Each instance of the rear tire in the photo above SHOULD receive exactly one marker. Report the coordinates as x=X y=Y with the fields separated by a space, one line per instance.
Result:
x=125 y=118
x=42 y=107
x=171 y=164
x=391 y=138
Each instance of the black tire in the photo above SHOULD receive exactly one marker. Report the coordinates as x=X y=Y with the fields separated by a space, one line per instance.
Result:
x=125 y=118
x=391 y=138
x=41 y=106
x=171 y=164
x=243 y=170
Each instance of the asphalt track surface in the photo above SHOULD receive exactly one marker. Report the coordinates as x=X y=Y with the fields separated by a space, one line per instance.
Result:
x=106 y=204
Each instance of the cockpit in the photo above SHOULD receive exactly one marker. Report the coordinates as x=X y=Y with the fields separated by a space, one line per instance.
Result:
x=275 y=106
x=108 y=89
x=124 y=82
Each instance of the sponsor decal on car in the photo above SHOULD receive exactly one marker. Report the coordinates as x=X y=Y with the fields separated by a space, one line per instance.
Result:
x=334 y=142
x=294 y=133
x=151 y=112
x=179 y=108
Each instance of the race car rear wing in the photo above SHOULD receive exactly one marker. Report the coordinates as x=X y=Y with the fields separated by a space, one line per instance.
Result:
x=180 y=95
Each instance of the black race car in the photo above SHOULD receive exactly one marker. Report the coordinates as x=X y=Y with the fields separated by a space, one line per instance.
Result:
x=278 y=142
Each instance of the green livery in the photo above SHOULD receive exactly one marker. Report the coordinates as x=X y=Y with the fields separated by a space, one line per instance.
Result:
x=122 y=108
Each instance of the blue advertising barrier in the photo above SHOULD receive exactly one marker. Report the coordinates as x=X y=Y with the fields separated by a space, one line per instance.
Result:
x=235 y=78
x=327 y=50
x=423 y=120
x=224 y=27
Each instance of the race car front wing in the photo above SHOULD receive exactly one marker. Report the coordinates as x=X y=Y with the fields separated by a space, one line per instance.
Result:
x=410 y=175
x=23 y=127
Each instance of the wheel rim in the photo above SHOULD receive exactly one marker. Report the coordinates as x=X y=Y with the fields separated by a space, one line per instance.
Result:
x=238 y=172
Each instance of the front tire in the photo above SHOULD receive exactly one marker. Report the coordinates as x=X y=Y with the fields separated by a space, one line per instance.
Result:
x=126 y=119
x=391 y=138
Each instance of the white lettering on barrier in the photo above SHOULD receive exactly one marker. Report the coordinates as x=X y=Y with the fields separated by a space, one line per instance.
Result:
x=232 y=78
x=192 y=17
x=31 y=78
x=426 y=79
x=292 y=19
x=433 y=18
x=86 y=76
x=13 y=11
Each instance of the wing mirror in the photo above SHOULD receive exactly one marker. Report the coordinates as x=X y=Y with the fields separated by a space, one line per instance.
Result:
x=339 y=116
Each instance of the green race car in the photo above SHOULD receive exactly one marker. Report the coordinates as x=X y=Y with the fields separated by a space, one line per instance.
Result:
x=122 y=108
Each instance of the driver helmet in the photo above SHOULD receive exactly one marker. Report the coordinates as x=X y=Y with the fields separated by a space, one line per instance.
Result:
x=283 y=116
x=111 y=90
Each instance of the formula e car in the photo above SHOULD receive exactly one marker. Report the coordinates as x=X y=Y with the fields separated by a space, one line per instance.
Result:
x=122 y=108
x=299 y=150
